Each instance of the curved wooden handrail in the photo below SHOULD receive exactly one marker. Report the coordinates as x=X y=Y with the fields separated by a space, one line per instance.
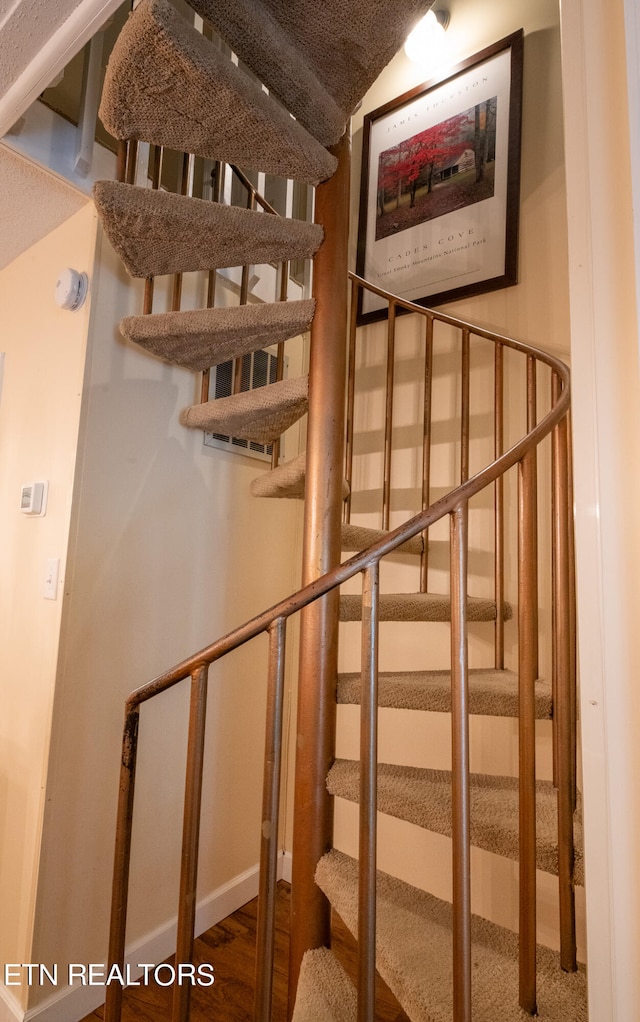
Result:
x=445 y=505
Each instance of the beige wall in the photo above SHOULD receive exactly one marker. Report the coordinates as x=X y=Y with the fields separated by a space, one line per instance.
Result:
x=535 y=310
x=162 y=550
x=39 y=417
x=169 y=552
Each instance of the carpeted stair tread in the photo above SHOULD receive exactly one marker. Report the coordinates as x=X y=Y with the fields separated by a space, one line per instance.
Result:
x=420 y=607
x=358 y=537
x=324 y=993
x=423 y=797
x=259 y=415
x=493 y=693
x=157 y=232
x=167 y=84
x=414 y=954
x=319 y=59
x=287 y=481
x=200 y=338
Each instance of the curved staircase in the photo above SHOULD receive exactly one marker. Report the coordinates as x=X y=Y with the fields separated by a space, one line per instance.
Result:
x=170 y=86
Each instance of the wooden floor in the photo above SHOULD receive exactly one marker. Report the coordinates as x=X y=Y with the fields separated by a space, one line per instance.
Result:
x=229 y=948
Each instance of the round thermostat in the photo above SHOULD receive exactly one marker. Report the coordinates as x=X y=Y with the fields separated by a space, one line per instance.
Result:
x=71 y=289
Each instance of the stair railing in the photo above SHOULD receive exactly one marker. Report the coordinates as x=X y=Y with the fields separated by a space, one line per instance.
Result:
x=273 y=622
x=563 y=600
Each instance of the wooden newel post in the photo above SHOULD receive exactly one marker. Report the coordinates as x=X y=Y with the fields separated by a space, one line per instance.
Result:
x=313 y=812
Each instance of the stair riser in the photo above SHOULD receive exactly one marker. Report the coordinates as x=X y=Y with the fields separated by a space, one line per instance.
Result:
x=424 y=739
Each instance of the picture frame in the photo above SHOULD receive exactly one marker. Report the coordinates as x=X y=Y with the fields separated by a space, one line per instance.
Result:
x=440 y=186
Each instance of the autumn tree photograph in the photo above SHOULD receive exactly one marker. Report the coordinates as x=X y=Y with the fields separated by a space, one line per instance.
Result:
x=445 y=167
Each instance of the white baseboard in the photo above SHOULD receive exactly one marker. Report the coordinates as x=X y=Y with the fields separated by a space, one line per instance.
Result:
x=72 y=1003
x=10 y=1010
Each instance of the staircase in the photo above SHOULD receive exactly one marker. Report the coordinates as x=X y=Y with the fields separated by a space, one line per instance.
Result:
x=169 y=85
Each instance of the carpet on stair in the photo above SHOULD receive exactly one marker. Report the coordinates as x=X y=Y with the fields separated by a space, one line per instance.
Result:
x=201 y=338
x=158 y=232
x=258 y=415
x=169 y=85
x=325 y=993
x=287 y=481
x=414 y=953
x=420 y=607
x=493 y=693
x=319 y=59
x=358 y=537
x=423 y=797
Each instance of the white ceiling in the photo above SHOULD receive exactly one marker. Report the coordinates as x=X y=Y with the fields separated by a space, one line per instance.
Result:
x=32 y=203
x=26 y=26
x=37 y=39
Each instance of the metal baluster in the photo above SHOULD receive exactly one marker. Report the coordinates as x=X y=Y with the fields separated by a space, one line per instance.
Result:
x=464 y=407
x=265 y=940
x=190 y=837
x=122 y=860
x=244 y=296
x=498 y=411
x=351 y=387
x=184 y=189
x=368 y=796
x=132 y=161
x=216 y=187
x=426 y=448
x=121 y=165
x=388 y=423
x=461 y=849
x=564 y=706
x=527 y=657
x=532 y=419
x=284 y=290
x=156 y=174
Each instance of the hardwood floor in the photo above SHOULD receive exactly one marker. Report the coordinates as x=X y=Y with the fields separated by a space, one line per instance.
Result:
x=229 y=947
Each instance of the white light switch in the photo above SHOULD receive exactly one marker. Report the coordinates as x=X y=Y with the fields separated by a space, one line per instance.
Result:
x=50 y=585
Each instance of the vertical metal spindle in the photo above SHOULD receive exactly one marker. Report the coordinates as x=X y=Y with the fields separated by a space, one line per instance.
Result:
x=461 y=833
x=532 y=419
x=184 y=188
x=464 y=406
x=351 y=389
x=156 y=174
x=284 y=291
x=527 y=657
x=265 y=941
x=244 y=297
x=121 y=165
x=216 y=188
x=122 y=860
x=426 y=447
x=190 y=837
x=498 y=411
x=388 y=422
x=572 y=618
x=368 y=796
x=565 y=697
x=132 y=161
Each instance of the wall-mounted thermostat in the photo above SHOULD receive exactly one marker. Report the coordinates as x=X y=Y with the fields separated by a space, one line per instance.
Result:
x=33 y=498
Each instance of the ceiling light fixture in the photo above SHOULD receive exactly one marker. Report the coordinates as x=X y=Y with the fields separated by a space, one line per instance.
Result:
x=425 y=44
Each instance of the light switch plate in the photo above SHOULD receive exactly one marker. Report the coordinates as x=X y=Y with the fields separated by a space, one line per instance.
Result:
x=50 y=585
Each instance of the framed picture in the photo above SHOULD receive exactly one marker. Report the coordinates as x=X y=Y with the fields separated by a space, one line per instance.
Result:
x=439 y=198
